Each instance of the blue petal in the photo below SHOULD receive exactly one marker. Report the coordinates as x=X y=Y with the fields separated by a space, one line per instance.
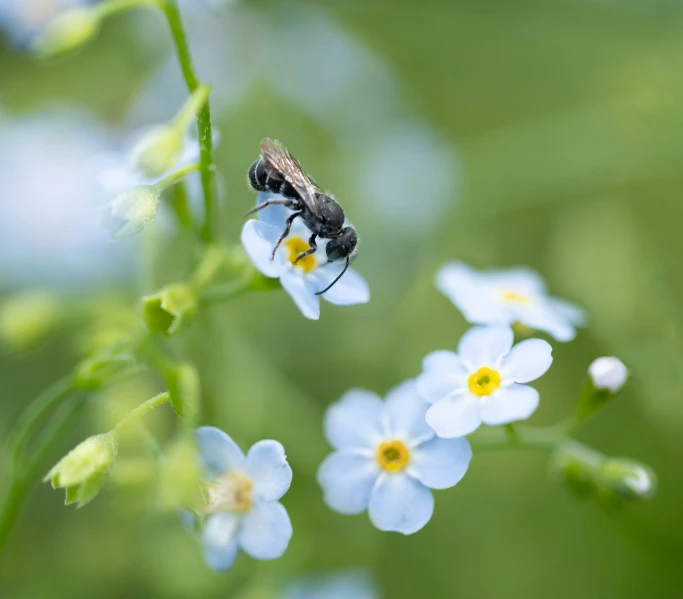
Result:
x=259 y=239
x=268 y=469
x=347 y=479
x=406 y=410
x=527 y=361
x=400 y=503
x=266 y=530
x=455 y=416
x=485 y=346
x=440 y=463
x=351 y=289
x=508 y=404
x=355 y=421
x=219 y=540
x=219 y=453
x=294 y=283
x=275 y=215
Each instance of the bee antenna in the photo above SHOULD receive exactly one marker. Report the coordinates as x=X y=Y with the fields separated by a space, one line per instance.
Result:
x=333 y=282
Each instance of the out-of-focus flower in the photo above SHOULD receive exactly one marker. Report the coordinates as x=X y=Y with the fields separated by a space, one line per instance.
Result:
x=68 y=31
x=515 y=295
x=387 y=459
x=49 y=229
x=608 y=373
x=343 y=585
x=309 y=275
x=130 y=212
x=242 y=510
x=483 y=381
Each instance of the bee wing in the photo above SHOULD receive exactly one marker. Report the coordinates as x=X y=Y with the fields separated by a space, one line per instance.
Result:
x=278 y=158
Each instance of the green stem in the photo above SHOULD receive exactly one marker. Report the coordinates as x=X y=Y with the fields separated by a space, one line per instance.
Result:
x=107 y=9
x=142 y=409
x=547 y=438
x=208 y=167
x=225 y=291
x=176 y=176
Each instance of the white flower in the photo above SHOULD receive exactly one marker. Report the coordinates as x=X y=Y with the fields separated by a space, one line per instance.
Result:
x=345 y=585
x=608 y=373
x=515 y=295
x=388 y=459
x=242 y=508
x=483 y=381
x=310 y=274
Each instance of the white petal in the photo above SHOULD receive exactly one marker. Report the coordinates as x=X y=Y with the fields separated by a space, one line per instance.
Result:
x=219 y=453
x=518 y=279
x=569 y=311
x=347 y=480
x=351 y=289
x=455 y=416
x=275 y=215
x=268 y=469
x=440 y=463
x=355 y=421
x=400 y=503
x=258 y=239
x=453 y=276
x=444 y=361
x=484 y=346
x=294 y=283
x=543 y=318
x=219 y=540
x=527 y=361
x=406 y=411
x=508 y=404
x=266 y=530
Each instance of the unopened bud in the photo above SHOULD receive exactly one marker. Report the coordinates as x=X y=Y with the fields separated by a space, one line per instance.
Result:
x=158 y=150
x=628 y=478
x=105 y=367
x=608 y=373
x=169 y=310
x=28 y=318
x=83 y=471
x=68 y=31
x=131 y=211
x=184 y=388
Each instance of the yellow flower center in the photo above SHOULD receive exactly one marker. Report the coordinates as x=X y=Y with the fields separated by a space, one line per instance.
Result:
x=484 y=382
x=296 y=247
x=392 y=455
x=515 y=298
x=230 y=493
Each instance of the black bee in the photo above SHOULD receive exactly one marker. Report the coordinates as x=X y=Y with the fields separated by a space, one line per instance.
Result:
x=277 y=171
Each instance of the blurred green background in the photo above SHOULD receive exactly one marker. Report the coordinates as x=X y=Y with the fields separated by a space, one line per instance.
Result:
x=536 y=132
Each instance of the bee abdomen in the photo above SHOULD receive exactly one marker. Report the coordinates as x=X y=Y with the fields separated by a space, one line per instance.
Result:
x=258 y=176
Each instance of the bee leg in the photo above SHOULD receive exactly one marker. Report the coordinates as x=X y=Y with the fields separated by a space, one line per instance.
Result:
x=288 y=226
x=341 y=274
x=310 y=250
x=274 y=202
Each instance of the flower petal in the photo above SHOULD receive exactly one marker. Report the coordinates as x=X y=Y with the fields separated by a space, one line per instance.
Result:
x=351 y=289
x=266 y=530
x=294 y=283
x=569 y=311
x=346 y=480
x=406 y=411
x=258 y=239
x=219 y=453
x=355 y=421
x=268 y=469
x=276 y=214
x=508 y=404
x=400 y=503
x=519 y=279
x=219 y=540
x=527 y=361
x=444 y=373
x=440 y=463
x=484 y=346
x=454 y=416
x=444 y=361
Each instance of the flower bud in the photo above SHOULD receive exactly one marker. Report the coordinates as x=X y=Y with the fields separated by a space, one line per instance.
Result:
x=169 y=310
x=68 y=31
x=184 y=388
x=608 y=373
x=28 y=318
x=158 y=150
x=83 y=471
x=105 y=367
x=576 y=466
x=628 y=479
x=131 y=211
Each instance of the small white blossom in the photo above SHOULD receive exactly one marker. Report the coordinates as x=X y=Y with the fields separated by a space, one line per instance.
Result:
x=608 y=373
x=483 y=382
x=387 y=459
x=515 y=295
x=309 y=275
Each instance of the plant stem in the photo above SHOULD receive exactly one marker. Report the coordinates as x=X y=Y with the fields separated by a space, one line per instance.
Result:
x=142 y=409
x=175 y=23
x=107 y=9
x=176 y=176
x=225 y=291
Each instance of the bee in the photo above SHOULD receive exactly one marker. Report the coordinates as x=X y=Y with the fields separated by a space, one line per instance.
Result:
x=277 y=171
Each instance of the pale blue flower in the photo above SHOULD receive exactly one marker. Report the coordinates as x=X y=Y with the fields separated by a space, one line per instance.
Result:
x=312 y=274
x=387 y=459
x=242 y=510
x=345 y=585
x=483 y=382
x=515 y=295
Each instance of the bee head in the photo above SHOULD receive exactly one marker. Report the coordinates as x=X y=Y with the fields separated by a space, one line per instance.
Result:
x=342 y=246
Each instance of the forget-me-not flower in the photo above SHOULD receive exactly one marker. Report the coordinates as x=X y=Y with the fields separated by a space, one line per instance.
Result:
x=242 y=510
x=387 y=459
x=515 y=295
x=344 y=585
x=309 y=275
x=483 y=382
